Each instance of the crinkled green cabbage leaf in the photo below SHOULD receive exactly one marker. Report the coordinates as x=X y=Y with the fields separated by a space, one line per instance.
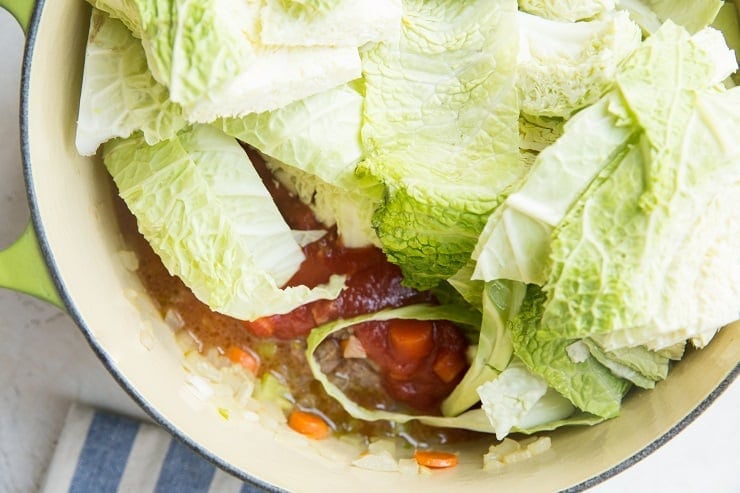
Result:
x=277 y=77
x=440 y=131
x=341 y=23
x=692 y=14
x=516 y=240
x=119 y=94
x=566 y=10
x=649 y=255
x=210 y=57
x=565 y=66
x=204 y=210
x=193 y=48
x=589 y=385
x=126 y=11
x=314 y=146
x=661 y=101
x=319 y=134
x=501 y=301
x=518 y=398
x=637 y=364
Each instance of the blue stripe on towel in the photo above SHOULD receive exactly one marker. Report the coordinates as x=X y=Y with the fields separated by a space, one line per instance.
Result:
x=100 y=452
x=184 y=471
x=104 y=455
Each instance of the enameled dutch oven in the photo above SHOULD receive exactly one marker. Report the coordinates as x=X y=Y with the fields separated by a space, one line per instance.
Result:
x=69 y=256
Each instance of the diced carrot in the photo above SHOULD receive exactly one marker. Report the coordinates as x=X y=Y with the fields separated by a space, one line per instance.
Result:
x=244 y=358
x=411 y=340
x=449 y=365
x=308 y=424
x=435 y=459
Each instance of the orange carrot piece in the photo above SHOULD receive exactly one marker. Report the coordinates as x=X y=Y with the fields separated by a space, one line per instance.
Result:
x=435 y=459
x=244 y=358
x=308 y=424
x=411 y=340
x=448 y=365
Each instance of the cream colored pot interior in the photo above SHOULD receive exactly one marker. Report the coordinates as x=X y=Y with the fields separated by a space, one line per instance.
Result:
x=74 y=214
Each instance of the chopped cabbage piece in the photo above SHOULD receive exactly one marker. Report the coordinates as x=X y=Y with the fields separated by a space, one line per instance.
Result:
x=565 y=66
x=516 y=240
x=652 y=249
x=501 y=301
x=119 y=94
x=566 y=10
x=589 y=385
x=440 y=129
x=347 y=23
x=692 y=14
x=205 y=211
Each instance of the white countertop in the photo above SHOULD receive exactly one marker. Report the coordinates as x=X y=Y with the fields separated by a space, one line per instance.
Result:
x=45 y=363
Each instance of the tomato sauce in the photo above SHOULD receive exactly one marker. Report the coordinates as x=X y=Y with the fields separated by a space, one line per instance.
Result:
x=421 y=376
x=422 y=379
x=411 y=365
x=372 y=283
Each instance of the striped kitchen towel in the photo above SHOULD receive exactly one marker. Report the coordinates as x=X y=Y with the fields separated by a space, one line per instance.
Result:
x=100 y=452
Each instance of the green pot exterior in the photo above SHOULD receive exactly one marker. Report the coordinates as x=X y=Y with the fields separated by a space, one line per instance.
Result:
x=20 y=9
x=22 y=269
x=22 y=265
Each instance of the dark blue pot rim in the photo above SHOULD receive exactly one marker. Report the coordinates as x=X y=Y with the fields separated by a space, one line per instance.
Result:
x=256 y=483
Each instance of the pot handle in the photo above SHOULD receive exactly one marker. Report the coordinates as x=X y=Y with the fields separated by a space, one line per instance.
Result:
x=22 y=266
x=22 y=10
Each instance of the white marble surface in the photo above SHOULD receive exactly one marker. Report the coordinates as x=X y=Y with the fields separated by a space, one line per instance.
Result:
x=45 y=363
